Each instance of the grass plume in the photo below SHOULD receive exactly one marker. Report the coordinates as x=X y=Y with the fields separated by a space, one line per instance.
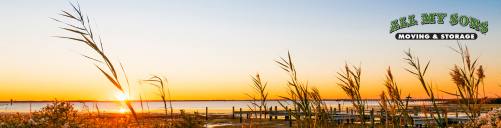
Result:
x=350 y=83
x=420 y=73
x=260 y=89
x=163 y=91
x=394 y=101
x=310 y=106
x=468 y=80
x=84 y=31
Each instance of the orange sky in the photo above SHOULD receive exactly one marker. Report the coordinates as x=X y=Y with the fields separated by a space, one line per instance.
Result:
x=208 y=50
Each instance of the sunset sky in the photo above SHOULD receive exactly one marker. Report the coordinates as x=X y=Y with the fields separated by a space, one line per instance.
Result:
x=210 y=49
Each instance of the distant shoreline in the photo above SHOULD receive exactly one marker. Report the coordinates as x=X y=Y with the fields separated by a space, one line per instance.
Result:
x=195 y=100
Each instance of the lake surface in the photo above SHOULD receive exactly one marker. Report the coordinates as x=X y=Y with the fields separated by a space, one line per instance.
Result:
x=158 y=106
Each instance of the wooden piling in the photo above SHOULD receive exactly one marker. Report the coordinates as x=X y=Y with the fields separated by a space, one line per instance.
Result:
x=30 y=110
x=372 y=118
x=240 y=115
x=276 y=117
x=348 y=112
x=260 y=112
x=233 y=114
x=265 y=112
x=290 y=120
x=271 y=108
x=363 y=111
x=206 y=113
x=11 y=102
x=456 y=112
x=415 y=111
x=286 y=117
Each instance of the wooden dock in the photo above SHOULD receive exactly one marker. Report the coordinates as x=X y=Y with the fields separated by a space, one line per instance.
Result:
x=374 y=115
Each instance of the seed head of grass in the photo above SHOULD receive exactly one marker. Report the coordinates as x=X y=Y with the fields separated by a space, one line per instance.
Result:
x=87 y=36
x=480 y=72
x=457 y=78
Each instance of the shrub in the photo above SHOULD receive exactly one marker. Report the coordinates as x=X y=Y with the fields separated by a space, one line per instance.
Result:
x=491 y=119
x=57 y=114
x=189 y=121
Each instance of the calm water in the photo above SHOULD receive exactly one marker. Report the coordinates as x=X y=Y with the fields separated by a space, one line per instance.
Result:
x=158 y=106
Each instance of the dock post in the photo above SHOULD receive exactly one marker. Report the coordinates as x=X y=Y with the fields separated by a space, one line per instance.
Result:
x=334 y=111
x=260 y=112
x=265 y=112
x=352 y=113
x=290 y=120
x=286 y=117
x=415 y=111
x=206 y=113
x=11 y=102
x=240 y=115
x=363 y=112
x=30 y=110
x=372 y=118
x=233 y=114
x=339 y=107
x=271 y=108
x=276 y=117
x=456 y=112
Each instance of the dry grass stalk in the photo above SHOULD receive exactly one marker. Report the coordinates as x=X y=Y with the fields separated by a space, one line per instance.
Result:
x=350 y=83
x=163 y=91
x=303 y=99
x=468 y=80
x=88 y=37
x=145 y=98
x=394 y=102
x=259 y=88
x=420 y=73
x=423 y=110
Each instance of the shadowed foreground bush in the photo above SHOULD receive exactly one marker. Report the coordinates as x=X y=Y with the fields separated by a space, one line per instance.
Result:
x=61 y=114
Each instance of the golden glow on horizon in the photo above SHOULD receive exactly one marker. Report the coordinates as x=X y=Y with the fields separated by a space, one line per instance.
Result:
x=122 y=110
x=120 y=97
x=208 y=54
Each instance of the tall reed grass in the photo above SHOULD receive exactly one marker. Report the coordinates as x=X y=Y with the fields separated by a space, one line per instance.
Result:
x=468 y=80
x=419 y=72
x=163 y=91
x=390 y=105
x=87 y=36
x=260 y=89
x=350 y=83
x=311 y=110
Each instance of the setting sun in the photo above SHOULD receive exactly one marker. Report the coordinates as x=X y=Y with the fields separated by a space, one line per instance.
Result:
x=121 y=97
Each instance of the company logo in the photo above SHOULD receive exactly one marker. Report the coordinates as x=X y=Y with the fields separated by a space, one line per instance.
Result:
x=434 y=18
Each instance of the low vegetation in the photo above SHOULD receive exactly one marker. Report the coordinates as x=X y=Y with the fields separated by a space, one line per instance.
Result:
x=308 y=108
